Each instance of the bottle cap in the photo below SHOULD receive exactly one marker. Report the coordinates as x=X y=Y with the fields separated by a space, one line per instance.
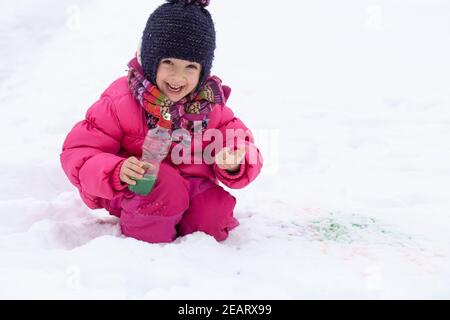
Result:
x=165 y=122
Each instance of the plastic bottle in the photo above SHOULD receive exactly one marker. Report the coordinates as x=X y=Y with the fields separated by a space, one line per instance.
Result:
x=154 y=150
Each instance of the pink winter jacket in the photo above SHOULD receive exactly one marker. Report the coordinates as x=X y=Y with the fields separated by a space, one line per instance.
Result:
x=114 y=130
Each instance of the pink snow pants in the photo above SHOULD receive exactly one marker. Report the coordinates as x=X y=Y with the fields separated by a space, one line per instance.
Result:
x=177 y=206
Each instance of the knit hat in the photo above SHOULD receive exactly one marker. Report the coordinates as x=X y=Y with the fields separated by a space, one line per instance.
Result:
x=180 y=29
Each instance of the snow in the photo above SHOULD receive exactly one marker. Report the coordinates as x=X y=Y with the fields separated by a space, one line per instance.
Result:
x=352 y=118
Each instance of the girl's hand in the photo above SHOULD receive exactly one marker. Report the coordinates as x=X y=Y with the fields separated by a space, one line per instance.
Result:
x=133 y=168
x=230 y=161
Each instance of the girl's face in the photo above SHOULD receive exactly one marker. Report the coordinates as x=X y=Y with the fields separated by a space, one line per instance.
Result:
x=177 y=78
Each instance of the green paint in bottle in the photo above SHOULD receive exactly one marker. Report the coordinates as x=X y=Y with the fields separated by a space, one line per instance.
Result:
x=143 y=186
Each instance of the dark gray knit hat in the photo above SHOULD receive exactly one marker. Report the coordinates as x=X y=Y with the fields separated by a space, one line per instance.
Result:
x=180 y=29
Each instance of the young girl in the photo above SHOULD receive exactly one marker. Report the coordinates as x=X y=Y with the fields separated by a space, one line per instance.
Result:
x=170 y=74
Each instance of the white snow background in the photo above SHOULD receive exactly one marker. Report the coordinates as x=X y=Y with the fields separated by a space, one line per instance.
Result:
x=350 y=105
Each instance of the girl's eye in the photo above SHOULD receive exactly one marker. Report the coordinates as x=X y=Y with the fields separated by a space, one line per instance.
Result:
x=167 y=62
x=191 y=66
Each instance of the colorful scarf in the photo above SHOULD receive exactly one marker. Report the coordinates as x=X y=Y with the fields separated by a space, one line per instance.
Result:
x=190 y=110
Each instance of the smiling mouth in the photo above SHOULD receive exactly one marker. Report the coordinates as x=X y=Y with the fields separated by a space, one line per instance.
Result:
x=174 y=89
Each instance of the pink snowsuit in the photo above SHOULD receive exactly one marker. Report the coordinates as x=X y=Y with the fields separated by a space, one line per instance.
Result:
x=186 y=197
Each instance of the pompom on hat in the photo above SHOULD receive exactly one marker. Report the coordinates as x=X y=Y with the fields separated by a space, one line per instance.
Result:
x=180 y=29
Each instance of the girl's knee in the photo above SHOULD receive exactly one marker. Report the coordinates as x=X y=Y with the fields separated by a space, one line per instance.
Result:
x=210 y=212
x=171 y=188
x=169 y=196
x=153 y=218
